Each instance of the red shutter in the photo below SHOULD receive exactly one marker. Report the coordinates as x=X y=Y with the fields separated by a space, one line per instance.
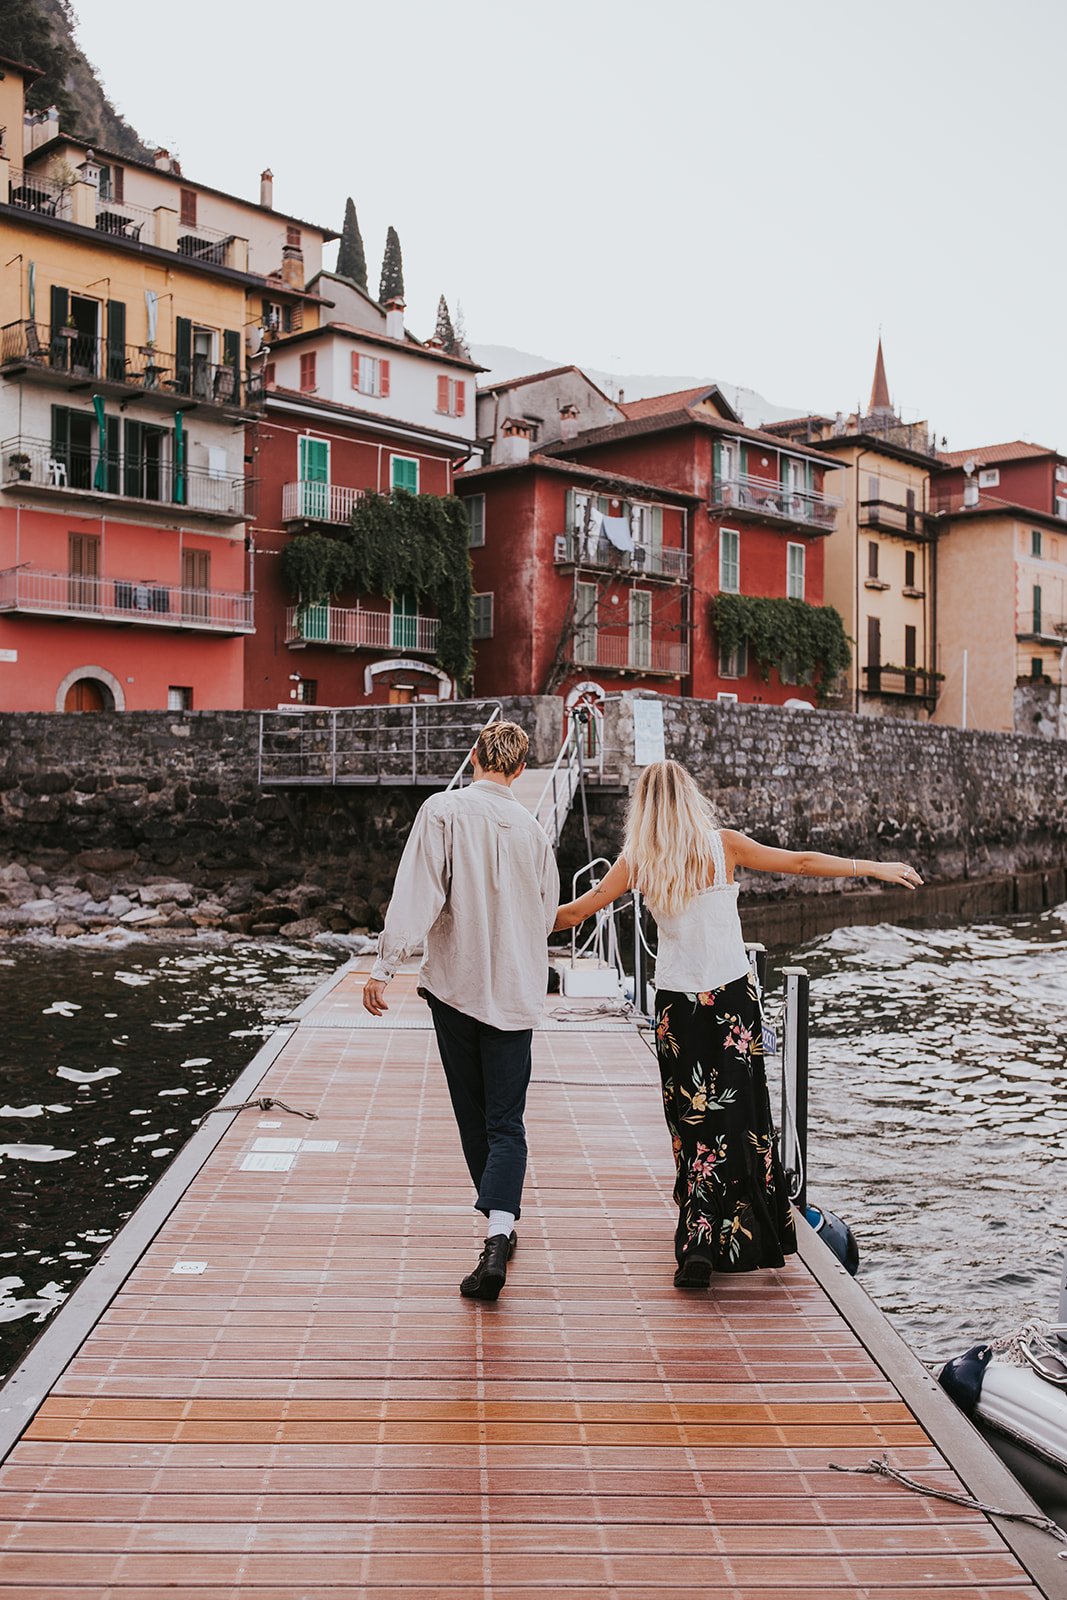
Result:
x=188 y=208
x=307 y=372
x=118 y=181
x=355 y=369
x=461 y=397
x=383 y=378
x=442 y=394
x=268 y=374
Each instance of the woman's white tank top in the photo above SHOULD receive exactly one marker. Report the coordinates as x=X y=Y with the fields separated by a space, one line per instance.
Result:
x=701 y=947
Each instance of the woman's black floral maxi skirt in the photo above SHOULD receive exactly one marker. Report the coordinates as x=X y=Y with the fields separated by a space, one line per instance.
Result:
x=730 y=1190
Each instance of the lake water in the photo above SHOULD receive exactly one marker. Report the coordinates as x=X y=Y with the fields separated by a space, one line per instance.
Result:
x=938 y=1120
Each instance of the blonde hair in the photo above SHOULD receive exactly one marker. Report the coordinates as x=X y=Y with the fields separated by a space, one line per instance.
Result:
x=667 y=847
x=502 y=747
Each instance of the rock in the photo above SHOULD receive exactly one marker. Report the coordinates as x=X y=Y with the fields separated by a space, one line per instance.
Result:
x=36 y=913
x=97 y=886
x=303 y=928
x=119 y=905
x=18 y=891
x=14 y=872
x=68 y=930
x=37 y=875
x=142 y=917
x=155 y=894
x=106 y=860
x=211 y=908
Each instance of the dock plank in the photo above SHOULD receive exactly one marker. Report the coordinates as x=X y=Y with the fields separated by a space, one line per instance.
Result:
x=317 y=1412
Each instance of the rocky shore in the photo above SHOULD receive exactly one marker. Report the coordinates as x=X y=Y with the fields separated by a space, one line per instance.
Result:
x=99 y=890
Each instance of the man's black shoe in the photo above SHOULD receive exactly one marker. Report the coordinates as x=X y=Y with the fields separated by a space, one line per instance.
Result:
x=490 y=1275
x=694 y=1272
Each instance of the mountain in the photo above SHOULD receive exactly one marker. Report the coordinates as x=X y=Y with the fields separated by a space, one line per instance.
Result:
x=505 y=362
x=41 y=33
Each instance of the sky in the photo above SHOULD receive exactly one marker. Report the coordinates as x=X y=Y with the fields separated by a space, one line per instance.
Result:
x=748 y=192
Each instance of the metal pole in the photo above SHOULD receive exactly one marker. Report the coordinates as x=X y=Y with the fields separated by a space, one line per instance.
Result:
x=414 y=741
x=578 y=729
x=333 y=747
x=640 y=976
x=795 y=1081
x=963 y=722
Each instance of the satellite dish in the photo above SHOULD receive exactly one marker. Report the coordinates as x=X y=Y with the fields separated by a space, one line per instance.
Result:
x=969 y=465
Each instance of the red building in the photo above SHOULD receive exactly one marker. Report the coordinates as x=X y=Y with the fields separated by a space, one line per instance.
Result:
x=1013 y=474
x=761 y=525
x=352 y=407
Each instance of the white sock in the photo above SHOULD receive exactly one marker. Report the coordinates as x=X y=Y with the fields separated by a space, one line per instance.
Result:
x=500 y=1222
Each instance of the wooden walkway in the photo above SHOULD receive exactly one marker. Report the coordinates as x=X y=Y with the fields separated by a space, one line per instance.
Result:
x=286 y=1398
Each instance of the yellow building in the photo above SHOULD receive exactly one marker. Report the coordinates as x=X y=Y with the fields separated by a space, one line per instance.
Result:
x=134 y=305
x=881 y=552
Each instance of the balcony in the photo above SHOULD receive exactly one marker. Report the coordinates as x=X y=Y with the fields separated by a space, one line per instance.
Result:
x=643 y=561
x=33 y=591
x=72 y=360
x=765 y=499
x=628 y=652
x=902 y=683
x=35 y=467
x=353 y=628
x=904 y=522
x=318 y=502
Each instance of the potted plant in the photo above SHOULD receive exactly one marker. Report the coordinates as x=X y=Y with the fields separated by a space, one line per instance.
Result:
x=21 y=463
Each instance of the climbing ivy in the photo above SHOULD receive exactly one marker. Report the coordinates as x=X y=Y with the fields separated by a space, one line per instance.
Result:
x=316 y=568
x=420 y=543
x=797 y=638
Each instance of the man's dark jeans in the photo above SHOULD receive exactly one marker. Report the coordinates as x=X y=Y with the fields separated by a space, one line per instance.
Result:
x=488 y=1072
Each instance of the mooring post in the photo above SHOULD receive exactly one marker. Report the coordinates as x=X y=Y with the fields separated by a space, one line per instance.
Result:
x=795 y=1082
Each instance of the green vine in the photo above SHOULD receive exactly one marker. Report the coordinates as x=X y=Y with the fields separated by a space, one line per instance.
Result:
x=396 y=543
x=797 y=638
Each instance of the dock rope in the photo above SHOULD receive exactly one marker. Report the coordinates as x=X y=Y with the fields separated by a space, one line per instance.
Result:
x=1031 y=1346
x=881 y=1468
x=264 y=1103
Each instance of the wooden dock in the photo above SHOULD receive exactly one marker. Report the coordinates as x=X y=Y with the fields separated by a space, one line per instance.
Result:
x=270 y=1386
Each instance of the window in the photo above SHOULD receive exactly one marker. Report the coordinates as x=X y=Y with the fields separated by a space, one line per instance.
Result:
x=640 y=628
x=734 y=664
x=874 y=489
x=475 y=508
x=989 y=478
x=306 y=692
x=179 y=698
x=270 y=374
x=187 y=204
x=874 y=654
x=83 y=568
x=1061 y=474
x=292 y=236
x=910 y=658
x=909 y=569
x=313 y=474
x=794 y=576
x=196 y=583
x=1037 y=667
x=1035 y=542
x=451 y=396
x=308 y=383
x=370 y=375
x=729 y=561
x=112 y=183
x=405 y=621
x=585 y=619
x=404 y=473
x=872 y=558
x=909 y=510
x=1037 y=607
x=483 y=616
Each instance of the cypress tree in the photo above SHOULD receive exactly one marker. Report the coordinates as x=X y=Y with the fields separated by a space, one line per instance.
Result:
x=351 y=257
x=391 y=286
x=444 y=329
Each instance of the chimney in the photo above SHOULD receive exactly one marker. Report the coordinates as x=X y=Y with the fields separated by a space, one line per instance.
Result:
x=39 y=127
x=970 y=483
x=161 y=158
x=516 y=434
x=266 y=189
x=394 y=318
x=568 y=422
x=292 y=266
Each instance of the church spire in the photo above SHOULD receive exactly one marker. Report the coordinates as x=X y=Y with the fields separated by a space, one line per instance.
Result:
x=880 y=400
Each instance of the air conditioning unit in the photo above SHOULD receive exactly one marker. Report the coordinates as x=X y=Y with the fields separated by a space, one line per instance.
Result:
x=726 y=698
x=1061 y=506
x=561 y=546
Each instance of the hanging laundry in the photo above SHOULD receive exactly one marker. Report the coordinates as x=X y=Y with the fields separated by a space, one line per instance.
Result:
x=617 y=530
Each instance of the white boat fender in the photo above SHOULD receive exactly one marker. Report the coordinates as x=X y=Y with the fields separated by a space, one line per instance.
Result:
x=838 y=1236
x=961 y=1378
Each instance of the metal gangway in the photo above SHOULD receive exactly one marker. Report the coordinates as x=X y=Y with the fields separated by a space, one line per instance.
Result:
x=305 y=746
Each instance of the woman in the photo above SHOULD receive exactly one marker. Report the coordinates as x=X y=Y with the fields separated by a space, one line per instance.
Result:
x=733 y=1207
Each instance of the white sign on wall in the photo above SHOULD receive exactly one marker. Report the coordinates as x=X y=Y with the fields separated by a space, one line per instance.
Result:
x=9 y=655
x=648 y=732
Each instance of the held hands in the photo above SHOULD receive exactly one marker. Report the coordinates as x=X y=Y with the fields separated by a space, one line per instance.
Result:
x=898 y=872
x=374 y=997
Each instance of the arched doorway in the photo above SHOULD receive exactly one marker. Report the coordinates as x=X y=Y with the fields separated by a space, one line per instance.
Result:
x=404 y=681
x=586 y=702
x=90 y=689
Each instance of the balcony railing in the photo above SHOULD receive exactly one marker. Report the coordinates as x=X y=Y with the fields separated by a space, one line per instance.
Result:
x=888 y=516
x=353 y=628
x=764 y=497
x=106 y=599
x=35 y=464
x=318 y=502
x=67 y=354
x=622 y=652
x=33 y=191
x=901 y=683
x=643 y=561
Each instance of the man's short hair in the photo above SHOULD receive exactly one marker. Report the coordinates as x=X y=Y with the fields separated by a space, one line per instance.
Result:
x=502 y=747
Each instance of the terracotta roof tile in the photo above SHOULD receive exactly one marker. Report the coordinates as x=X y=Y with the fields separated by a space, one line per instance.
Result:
x=654 y=404
x=661 y=422
x=538 y=377
x=987 y=454
x=573 y=469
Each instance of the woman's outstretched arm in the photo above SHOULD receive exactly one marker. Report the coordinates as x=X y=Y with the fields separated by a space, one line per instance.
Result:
x=615 y=881
x=745 y=852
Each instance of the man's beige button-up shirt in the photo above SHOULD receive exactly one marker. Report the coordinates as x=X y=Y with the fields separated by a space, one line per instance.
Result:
x=478 y=889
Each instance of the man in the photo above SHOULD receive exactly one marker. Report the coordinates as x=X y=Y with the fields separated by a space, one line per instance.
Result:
x=478 y=888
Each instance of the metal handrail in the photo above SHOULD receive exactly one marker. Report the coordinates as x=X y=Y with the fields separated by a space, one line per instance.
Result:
x=456 y=781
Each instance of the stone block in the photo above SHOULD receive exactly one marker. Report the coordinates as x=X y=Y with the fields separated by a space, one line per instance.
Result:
x=106 y=860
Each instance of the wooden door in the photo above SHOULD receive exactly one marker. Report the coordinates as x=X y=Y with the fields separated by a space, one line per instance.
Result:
x=83 y=567
x=196 y=583
x=86 y=695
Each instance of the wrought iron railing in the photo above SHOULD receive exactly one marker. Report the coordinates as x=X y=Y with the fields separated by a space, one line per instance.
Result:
x=353 y=628
x=109 y=599
x=888 y=516
x=139 y=367
x=407 y=744
x=631 y=653
x=643 y=561
x=308 y=501
x=38 y=464
x=908 y=682
x=769 y=498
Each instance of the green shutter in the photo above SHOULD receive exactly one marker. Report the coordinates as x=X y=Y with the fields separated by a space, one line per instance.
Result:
x=100 y=470
x=568 y=514
x=405 y=474
x=113 y=434
x=183 y=354
x=116 y=341
x=716 y=460
x=133 y=466
x=179 y=459
x=405 y=621
x=60 y=318
x=314 y=475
